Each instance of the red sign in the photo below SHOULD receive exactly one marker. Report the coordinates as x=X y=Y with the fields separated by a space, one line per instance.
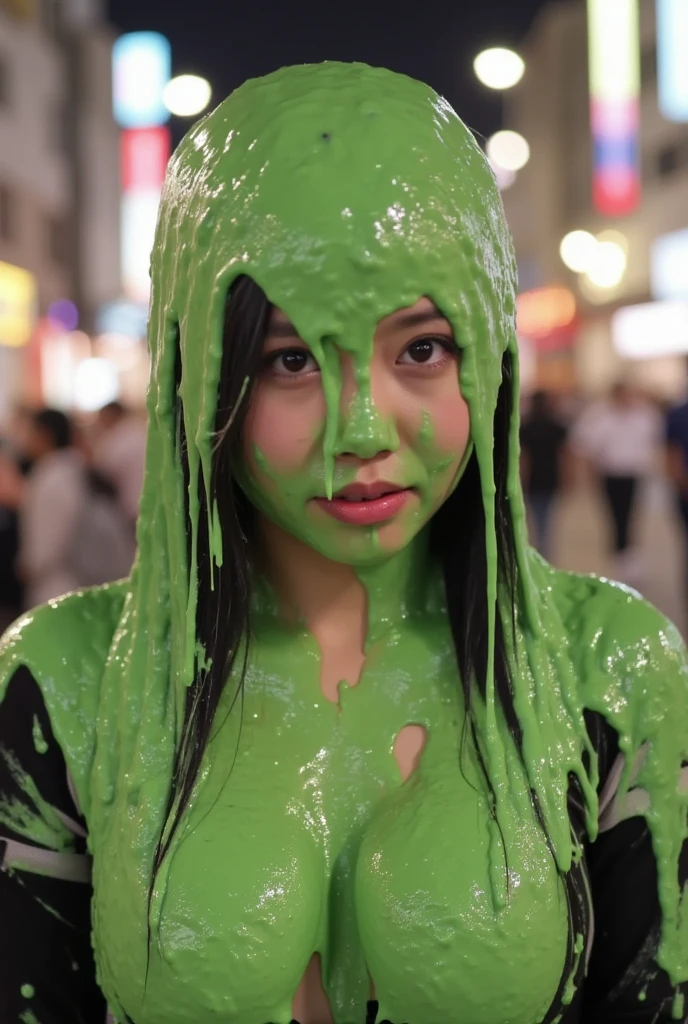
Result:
x=547 y=317
x=144 y=153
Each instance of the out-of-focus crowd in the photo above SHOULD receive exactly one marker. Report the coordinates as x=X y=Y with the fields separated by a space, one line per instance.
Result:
x=618 y=444
x=69 y=495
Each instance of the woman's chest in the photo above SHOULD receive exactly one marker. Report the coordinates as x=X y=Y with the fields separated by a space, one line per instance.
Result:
x=303 y=838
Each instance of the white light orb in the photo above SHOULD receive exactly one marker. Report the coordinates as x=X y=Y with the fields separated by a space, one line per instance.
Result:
x=187 y=95
x=499 y=68
x=508 y=150
x=96 y=382
x=607 y=265
x=577 y=250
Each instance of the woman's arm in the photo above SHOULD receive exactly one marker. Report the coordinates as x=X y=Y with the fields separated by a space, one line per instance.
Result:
x=47 y=971
x=624 y=982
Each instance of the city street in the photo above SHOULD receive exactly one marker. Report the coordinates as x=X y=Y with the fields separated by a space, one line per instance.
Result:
x=580 y=544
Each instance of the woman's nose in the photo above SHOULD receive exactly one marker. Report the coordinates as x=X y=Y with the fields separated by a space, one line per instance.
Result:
x=363 y=430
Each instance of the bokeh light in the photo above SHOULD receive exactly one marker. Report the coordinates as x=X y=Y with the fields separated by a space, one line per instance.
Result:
x=187 y=95
x=607 y=265
x=499 y=68
x=576 y=250
x=63 y=315
x=95 y=384
x=508 y=150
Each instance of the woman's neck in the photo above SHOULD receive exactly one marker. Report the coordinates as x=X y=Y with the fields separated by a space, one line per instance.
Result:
x=337 y=600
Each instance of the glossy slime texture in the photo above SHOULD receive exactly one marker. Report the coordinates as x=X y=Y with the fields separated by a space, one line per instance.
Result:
x=346 y=192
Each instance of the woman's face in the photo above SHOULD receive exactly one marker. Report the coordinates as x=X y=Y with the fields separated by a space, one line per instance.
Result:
x=401 y=438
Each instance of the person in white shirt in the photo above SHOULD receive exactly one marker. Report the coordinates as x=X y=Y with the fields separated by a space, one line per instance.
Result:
x=71 y=534
x=119 y=454
x=619 y=438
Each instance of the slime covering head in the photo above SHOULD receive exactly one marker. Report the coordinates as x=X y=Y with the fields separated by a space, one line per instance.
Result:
x=345 y=193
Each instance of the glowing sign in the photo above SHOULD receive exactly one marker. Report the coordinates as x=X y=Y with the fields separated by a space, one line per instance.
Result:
x=651 y=329
x=614 y=70
x=669 y=266
x=672 y=62
x=17 y=305
x=144 y=153
x=141 y=66
x=546 y=316
x=138 y=217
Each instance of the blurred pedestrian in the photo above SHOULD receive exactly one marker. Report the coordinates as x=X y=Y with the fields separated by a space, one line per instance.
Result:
x=543 y=465
x=11 y=591
x=71 y=535
x=619 y=439
x=676 y=462
x=119 y=454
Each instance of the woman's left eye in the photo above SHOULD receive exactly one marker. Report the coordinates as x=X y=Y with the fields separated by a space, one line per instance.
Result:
x=427 y=351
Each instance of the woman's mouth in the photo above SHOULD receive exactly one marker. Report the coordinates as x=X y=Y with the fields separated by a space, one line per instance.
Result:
x=366 y=504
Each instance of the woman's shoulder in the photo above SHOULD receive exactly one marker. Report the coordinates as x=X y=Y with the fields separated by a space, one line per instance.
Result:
x=630 y=658
x=64 y=636
x=63 y=646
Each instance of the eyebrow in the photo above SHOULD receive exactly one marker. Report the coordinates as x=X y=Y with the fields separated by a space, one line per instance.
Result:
x=414 y=319
x=286 y=329
x=282 y=329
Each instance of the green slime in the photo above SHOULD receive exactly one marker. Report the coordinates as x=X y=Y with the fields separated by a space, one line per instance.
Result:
x=346 y=192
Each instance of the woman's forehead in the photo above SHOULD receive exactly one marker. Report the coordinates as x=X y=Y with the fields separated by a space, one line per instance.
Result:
x=420 y=312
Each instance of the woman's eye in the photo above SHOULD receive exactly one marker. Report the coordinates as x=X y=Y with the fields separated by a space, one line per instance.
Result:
x=291 y=362
x=427 y=351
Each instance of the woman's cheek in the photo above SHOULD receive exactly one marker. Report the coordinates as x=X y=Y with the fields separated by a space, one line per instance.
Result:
x=281 y=427
x=452 y=425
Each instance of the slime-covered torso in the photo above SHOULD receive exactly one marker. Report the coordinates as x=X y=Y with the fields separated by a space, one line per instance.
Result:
x=302 y=837
x=346 y=193
x=305 y=840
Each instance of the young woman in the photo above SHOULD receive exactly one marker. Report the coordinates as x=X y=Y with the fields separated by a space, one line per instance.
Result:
x=343 y=748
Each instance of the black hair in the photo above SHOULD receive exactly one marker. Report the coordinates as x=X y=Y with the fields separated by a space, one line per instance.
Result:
x=54 y=423
x=223 y=620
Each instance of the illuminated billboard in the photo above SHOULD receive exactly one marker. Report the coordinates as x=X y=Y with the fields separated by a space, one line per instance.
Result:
x=672 y=59
x=669 y=265
x=141 y=67
x=651 y=329
x=614 y=74
x=17 y=305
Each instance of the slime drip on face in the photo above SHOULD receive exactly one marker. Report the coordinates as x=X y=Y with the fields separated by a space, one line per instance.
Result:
x=403 y=426
x=347 y=193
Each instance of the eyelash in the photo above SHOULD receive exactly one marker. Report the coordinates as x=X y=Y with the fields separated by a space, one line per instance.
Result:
x=445 y=343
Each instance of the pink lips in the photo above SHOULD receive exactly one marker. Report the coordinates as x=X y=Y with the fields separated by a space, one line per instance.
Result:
x=366 y=504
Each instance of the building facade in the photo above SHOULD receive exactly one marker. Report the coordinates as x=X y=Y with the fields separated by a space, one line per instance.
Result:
x=552 y=196
x=59 y=178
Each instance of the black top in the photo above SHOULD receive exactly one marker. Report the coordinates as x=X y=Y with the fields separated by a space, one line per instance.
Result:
x=542 y=440
x=45 y=944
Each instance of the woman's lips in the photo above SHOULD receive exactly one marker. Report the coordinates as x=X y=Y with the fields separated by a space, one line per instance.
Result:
x=365 y=512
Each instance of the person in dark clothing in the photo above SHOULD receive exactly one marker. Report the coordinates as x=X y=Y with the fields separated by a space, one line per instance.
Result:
x=543 y=446
x=11 y=589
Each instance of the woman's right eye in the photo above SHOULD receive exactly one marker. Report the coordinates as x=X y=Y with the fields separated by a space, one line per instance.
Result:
x=292 y=362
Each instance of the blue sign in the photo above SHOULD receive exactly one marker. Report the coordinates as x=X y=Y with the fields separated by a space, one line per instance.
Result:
x=141 y=68
x=672 y=59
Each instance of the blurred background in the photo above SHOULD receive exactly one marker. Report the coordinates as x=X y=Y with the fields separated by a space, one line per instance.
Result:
x=582 y=109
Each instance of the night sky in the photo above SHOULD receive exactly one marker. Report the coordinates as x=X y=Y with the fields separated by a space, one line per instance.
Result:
x=229 y=41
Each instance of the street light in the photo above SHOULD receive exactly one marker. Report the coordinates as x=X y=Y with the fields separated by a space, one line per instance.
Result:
x=499 y=68
x=602 y=260
x=508 y=150
x=607 y=265
x=576 y=250
x=187 y=95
